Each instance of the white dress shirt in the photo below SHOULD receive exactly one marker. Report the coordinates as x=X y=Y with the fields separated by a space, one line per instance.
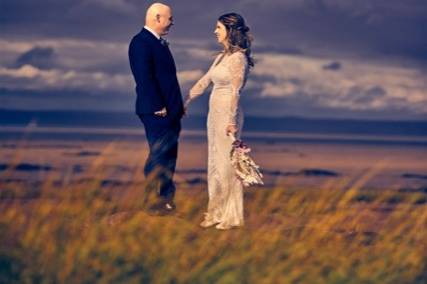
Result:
x=153 y=32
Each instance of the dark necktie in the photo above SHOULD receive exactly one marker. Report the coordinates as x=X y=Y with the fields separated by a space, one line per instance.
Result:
x=164 y=42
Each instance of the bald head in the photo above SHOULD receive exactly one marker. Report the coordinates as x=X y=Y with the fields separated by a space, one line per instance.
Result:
x=159 y=18
x=156 y=9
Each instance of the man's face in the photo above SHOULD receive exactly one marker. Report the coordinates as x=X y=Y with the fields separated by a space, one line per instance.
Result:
x=165 y=22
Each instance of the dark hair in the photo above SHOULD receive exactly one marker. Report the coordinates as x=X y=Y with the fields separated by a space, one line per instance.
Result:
x=238 y=35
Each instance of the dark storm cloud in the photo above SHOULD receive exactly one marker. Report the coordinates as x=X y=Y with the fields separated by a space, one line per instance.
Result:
x=40 y=57
x=256 y=78
x=364 y=27
x=359 y=96
x=93 y=19
x=64 y=100
x=277 y=49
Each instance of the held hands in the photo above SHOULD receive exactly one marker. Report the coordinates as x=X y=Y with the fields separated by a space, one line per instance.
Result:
x=231 y=129
x=186 y=104
x=163 y=112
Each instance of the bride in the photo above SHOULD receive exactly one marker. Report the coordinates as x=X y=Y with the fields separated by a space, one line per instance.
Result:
x=228 y=74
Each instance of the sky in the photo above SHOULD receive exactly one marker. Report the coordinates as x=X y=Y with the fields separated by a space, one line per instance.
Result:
x=357 y=59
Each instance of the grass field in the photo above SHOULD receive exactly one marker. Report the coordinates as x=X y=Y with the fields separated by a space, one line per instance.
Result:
x=85 y=231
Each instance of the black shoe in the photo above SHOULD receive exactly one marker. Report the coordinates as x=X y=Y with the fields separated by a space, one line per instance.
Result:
x=162 y=207
x=170 y=206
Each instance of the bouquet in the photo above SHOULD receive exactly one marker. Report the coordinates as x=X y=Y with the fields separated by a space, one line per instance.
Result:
x=246 y=169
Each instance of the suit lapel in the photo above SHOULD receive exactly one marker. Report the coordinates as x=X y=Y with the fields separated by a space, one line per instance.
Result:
x=163 y=48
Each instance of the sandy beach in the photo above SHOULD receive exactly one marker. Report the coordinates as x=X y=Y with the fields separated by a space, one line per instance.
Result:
x=290 y=161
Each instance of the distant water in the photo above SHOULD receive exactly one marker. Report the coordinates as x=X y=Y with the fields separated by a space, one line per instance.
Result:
x=33 y=132
x=66 y=125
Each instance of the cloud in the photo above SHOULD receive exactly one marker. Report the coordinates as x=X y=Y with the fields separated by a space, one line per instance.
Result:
x=67 y=54
x=280 y=49
x=303 y=81
x=28 y=77
x=121 y=6
x=358 y=86
x=189 y=77
x=379 y=9
x=94 y=66
x=40 y=57
x=317 y=56
x=365 y=28
x=368 y=96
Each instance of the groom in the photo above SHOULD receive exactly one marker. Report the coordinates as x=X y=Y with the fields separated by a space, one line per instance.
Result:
x=158 y=102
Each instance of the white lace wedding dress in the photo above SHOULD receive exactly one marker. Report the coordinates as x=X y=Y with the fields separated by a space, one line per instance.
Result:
x=228 y=74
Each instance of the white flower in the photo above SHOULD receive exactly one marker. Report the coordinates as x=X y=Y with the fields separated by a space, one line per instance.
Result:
x=246 y=169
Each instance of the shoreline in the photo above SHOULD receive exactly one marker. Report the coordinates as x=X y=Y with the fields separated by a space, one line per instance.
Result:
x=96 y=133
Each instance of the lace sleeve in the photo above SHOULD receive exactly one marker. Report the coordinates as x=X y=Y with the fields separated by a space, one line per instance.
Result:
x=238 y=68
x=203 y=82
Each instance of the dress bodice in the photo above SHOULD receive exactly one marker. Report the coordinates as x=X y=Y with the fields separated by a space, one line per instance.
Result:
x=228 y=74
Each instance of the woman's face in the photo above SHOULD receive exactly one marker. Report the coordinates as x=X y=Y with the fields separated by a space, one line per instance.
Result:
x=221 y=33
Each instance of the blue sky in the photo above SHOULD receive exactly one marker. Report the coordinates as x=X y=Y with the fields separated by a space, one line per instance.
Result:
x=315 y=58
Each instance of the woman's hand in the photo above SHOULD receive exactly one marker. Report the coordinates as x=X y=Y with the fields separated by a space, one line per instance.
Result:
x=231 y=129
x=186 y=104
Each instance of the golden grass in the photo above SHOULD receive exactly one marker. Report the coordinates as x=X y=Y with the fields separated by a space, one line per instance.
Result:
x=86 y=233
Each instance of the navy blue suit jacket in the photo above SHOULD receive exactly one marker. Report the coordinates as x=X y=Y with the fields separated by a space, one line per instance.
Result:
x=154 y=70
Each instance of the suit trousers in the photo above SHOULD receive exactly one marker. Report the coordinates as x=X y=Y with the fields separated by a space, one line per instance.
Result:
x=162 y=136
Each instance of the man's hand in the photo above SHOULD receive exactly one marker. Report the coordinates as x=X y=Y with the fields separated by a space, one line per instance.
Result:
x=161 y=112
